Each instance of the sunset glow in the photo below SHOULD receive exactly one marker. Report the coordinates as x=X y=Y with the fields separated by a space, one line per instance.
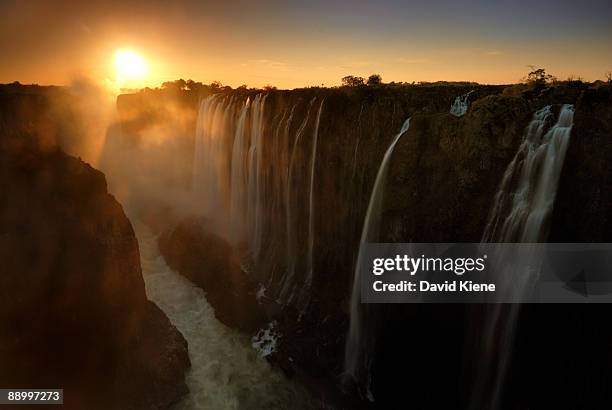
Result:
x=130 y=67
x=274 y=42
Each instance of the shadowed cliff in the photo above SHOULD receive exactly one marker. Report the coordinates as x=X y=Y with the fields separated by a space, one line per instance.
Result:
x=72 y=302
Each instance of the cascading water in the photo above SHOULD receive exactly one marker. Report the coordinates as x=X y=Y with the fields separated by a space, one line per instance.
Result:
x=210 y=169
x=238 y=200
x=521 y=213
x=311 y=207
x=227 y=165
x=460 y=105
x=357 y=354
x=248 y=166
x=287 y=281
x=255 y=174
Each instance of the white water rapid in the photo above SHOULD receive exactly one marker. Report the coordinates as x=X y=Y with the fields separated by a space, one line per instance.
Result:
x=226 y=371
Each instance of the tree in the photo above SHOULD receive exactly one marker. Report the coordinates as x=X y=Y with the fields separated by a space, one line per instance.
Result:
x=352 y=81
x=216 y=85
x=374 y=79
x=609 y=77
x=539 y=78
x=175 y=85
x=194 y=85
x=572 y=78
x=269 y=87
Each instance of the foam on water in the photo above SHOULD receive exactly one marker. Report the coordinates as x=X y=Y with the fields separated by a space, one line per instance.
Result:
x=266 y=340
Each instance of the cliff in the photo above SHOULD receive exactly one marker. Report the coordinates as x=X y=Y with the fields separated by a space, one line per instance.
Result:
x=72 y=301
x=440 y=189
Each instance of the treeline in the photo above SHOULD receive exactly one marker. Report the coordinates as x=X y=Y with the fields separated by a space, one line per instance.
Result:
x=190 y=85
x=375 y=80
x=537 y=79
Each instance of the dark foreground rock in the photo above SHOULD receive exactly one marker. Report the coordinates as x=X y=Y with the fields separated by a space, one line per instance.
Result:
x=73 y=309
x=210 y=262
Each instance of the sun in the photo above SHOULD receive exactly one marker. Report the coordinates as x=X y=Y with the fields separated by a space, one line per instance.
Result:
x=130 y=67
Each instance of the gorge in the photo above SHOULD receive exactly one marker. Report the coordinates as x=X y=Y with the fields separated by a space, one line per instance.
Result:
x=250 y=206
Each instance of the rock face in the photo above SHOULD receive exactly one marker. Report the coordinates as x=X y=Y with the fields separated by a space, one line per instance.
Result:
x=582 y=211
x=439 y=190
x=210 y=262
x=73 y=307
x=446 y=171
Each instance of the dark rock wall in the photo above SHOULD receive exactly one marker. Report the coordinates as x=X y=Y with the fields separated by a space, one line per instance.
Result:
x=441 y=190
x=583 y=208
x=73 y=308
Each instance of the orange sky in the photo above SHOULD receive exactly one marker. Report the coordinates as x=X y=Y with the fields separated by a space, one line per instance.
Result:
x=294 y=44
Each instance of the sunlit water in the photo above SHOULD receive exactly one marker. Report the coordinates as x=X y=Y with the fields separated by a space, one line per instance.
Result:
x=226 y=372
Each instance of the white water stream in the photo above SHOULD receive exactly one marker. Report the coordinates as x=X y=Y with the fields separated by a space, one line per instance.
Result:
x=226 y=371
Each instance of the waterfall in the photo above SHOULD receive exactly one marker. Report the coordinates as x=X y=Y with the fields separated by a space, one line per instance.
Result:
x=210 y=165
x=311 y=233
x=204 y=159
x=254 y=177
x=227 y=180
x=255 y=174
x=282 y=136
x=460 y=105
x=357 y=358
x=238 y=200
x=287 y=283
x=521 y=213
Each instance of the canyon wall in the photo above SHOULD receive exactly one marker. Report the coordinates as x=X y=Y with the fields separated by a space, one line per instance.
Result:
x=442 y=178
x=72 y=301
